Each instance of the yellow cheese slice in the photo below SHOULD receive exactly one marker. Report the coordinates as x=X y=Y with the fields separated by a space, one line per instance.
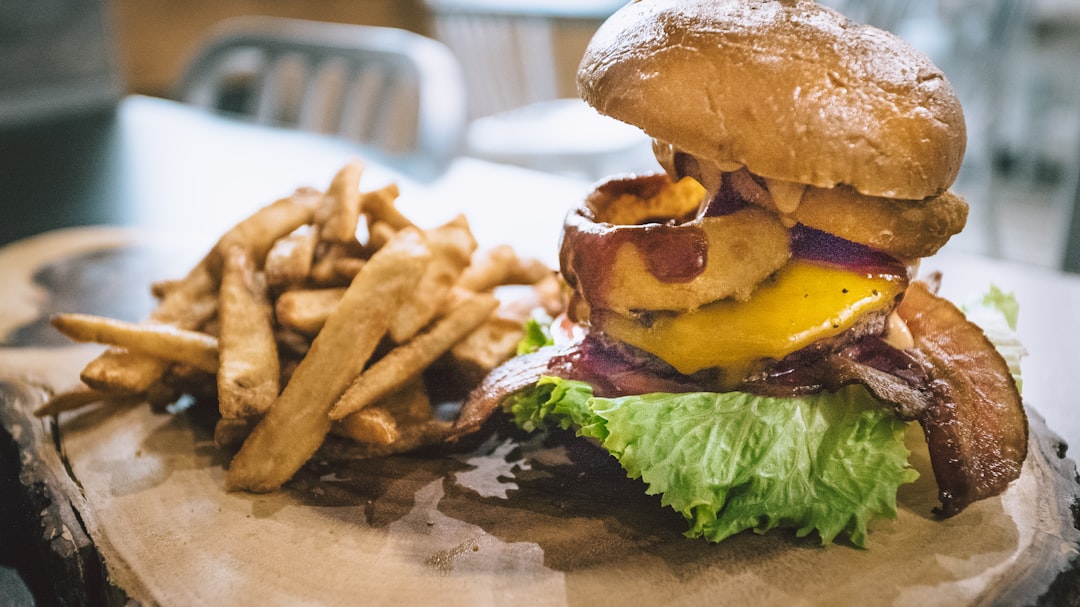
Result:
x=803 y=303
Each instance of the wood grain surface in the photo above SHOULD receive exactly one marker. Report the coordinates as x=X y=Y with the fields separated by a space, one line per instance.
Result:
x=132 y=503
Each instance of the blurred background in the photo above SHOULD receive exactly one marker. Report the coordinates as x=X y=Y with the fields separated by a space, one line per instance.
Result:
x=1013 y=62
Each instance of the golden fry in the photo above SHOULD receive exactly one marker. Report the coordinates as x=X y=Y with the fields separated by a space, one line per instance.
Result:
x=373 y=425
x=409 y=404
x=75 y=398
x=305 y=310
x=410 y=438
x=297 y=422
x=118 y=371
x=231 y=431
x=337 y=265
x=161 y=288
x=495 y=341
x=161 y=341
x=191 y=301
x=292 y=296
x=501 y=266
x=405 y=361
x=379 y=234
x=379 y=206
x=452 y=246
x=292 y=345
x=187 y=304
x=348 y=267
x=289 y=259
x=340 y=209
x=490 y=345
x=249 y=368
x=188 y=379
x=259 y=231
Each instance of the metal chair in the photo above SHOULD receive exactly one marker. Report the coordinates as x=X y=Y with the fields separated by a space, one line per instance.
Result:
x=397 y=91
x=523 y=107
x=514 y=48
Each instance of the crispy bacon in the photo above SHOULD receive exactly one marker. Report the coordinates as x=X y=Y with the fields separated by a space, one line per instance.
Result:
x=612 y=370
x=508 y=378
x=976 y=429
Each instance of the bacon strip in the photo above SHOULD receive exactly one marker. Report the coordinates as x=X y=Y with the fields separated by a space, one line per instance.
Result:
x=910 y=399
x=508 y=378
x=977 y=430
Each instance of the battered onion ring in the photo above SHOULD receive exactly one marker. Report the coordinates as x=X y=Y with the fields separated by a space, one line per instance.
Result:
x=906 y=229
x=659 y=257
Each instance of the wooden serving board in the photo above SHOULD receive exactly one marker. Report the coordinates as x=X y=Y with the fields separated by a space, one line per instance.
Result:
x=130 y=504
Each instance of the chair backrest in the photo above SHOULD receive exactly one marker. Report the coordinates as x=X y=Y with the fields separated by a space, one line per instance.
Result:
x=514 y=48
x=399 y=91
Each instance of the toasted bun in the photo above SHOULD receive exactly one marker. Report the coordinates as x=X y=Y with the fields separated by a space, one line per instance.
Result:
x=787 y=88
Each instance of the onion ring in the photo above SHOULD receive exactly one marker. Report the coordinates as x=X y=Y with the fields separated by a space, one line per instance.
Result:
x=657 y=255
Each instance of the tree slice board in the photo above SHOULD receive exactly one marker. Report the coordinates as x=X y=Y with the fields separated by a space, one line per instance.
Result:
x=509 y=519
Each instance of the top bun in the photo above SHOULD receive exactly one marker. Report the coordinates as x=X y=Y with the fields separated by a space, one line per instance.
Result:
x=790 y=89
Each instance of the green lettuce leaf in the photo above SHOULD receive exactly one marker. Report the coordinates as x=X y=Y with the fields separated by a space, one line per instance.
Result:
x=537 y=333
x=728 y=462
x=997 y=312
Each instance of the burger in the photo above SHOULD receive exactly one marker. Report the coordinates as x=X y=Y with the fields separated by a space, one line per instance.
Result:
x=745 y=330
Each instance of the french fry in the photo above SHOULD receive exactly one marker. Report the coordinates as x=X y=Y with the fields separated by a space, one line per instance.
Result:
x=452 y=246
x=306 y=310
x=231 y=431
x=70 y=400
x=249 y=368
x=187 y=304
x=501 y=265
x=405 y=361
x=373 y=425
x=292 y=345
x=347 y=268
x=160 y=341
x=409 y=404
x=289 y=259
x=190 y=301
x=383 y=423
x=338 y=297
x=340 y=209
x=336 y=266
x=379 y=234
x=496 y=341
x=297 y=422
x=490 y=345
x=410 y=438
x=159 y=288
x=259 y=231
x=379 y=205
x=118 y=371
x=187 y=379
x=79 y=398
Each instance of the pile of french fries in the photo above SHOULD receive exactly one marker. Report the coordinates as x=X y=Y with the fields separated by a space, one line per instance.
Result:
x=318 y=314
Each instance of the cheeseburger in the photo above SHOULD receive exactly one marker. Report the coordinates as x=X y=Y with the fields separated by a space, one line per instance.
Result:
x=744 y=330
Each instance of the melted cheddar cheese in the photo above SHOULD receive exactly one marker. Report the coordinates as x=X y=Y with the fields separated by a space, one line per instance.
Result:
x=803 y=303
